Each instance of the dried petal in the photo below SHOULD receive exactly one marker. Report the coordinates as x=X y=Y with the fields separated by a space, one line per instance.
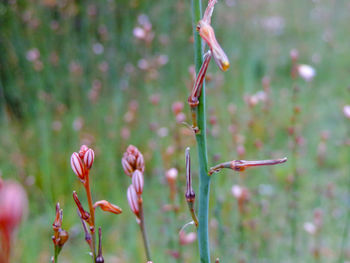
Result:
x=108 y=207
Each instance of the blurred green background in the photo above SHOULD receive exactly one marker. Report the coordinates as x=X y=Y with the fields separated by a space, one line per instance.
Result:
x=106 y=73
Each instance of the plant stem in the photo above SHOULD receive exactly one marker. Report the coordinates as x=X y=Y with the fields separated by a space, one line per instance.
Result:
x=143 y=231
x=204 y=179
x=92 y=214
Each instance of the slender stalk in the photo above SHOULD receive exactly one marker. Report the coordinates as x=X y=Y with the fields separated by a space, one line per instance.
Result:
x=92 y=214
x=204 y=179
x=143 y=231
x=56 y=254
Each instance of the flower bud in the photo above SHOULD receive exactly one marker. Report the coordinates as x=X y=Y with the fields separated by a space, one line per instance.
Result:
x=186 y=239
x=108 y=207
x=77 y=166
x=57 y=224
x=132 y=160
x=137 y=181
x=89 y=158
x=133 y=200
x=83 y=150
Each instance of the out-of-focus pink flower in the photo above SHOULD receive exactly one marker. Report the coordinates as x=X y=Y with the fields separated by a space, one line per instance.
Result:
x=346 y=111
x=13 y=205
x=306 y=72
x=186 y=239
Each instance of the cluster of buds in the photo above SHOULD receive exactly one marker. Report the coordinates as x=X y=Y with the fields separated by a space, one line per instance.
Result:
x=241 y=165
x=207 y=33
x=134 y=167
x=133 y=160
x=81 y=162
x=60 y=236
x=13 y=207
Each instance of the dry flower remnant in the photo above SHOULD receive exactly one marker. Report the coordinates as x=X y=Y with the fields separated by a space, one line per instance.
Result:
x=134 y=166
x=13 y=207
x=60 y=236
x=81 y=164
x=207 y=33
x=241 y=165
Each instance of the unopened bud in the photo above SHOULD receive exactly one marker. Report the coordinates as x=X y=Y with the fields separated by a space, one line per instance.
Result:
x=108 y=207
x=77 y=166
x=133 y=200
x=89 y=158
x=190 y=195
x=171 y=174
x=83 y=150
x=132 y=160
x=99 y=258
x=57 y=224
x=137 y=181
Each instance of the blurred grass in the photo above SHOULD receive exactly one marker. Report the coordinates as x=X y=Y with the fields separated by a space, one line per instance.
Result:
x=41 y=102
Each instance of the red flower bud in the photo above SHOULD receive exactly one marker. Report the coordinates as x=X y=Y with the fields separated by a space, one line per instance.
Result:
x=132 y=160
x=137 y=181
x=108 y=207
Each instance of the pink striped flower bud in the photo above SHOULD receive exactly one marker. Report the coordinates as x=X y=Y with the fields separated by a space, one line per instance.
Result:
x=78 y=166
x=108 y=207
x=133 y=200
x=137 y=181
x=89 y=158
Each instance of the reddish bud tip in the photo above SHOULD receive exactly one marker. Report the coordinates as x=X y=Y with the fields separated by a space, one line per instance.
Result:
x=83 y=150
x=83 y=214
x=133 y=200
x=137 y=181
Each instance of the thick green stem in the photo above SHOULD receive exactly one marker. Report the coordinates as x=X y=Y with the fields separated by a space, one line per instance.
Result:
x=204 y=179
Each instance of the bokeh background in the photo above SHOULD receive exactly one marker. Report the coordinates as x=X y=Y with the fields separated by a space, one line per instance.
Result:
x=107 y=74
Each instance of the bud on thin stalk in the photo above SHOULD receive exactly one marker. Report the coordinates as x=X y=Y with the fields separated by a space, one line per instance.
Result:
x=137 y=182
x=133 y=200
x=89 y=158
x=190 y=195
x=78 y=166
x=99 y=258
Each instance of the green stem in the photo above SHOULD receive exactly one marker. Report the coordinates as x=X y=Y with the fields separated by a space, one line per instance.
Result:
x=204 y=179
x=143 y=231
